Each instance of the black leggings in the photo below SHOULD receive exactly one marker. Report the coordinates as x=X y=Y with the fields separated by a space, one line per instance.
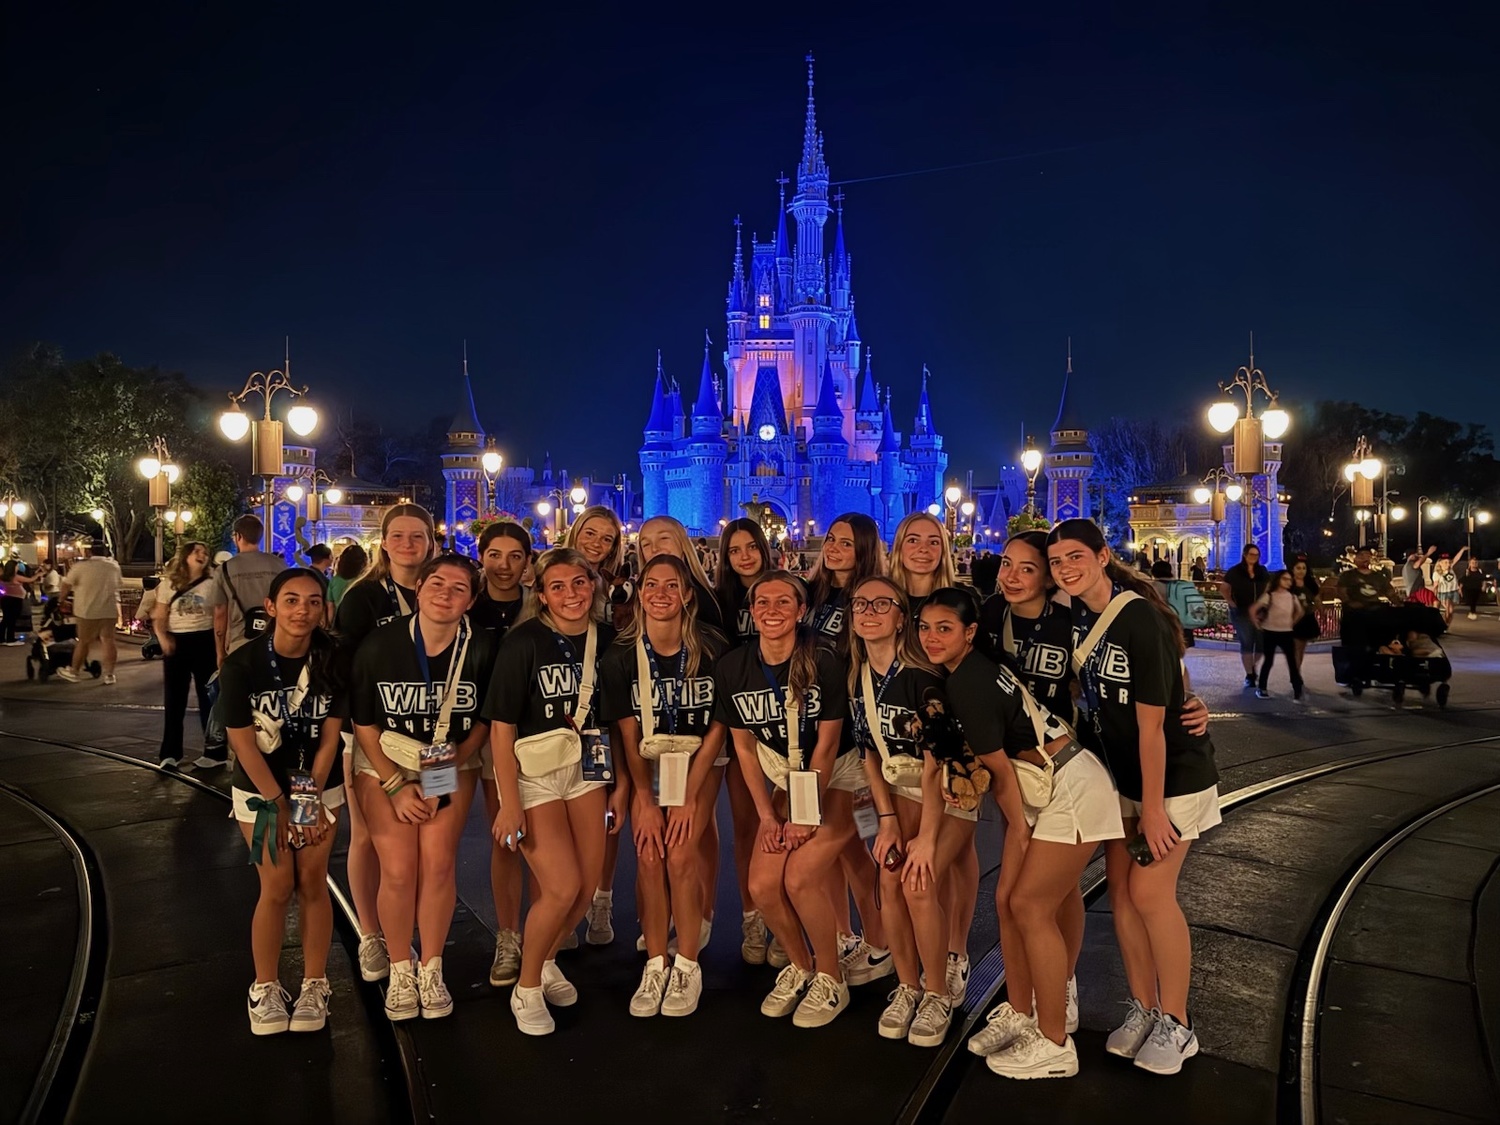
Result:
x=194 y=661
x=1287 y=643
x=10 y=618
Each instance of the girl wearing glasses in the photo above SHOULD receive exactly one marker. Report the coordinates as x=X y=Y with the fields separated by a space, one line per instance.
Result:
x=895 y=695
x=787 y=673
x=661 y=671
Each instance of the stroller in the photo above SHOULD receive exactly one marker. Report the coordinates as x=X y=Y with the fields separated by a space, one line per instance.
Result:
x=1395 y=647
x=52 y=644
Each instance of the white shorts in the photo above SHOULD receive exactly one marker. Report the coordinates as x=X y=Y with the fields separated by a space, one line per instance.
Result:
x=559 y=785
x=360 y=763
x=1085 y=806
x=1192 y=814
x=848 y=773
x=914 y=793
x=332 y=799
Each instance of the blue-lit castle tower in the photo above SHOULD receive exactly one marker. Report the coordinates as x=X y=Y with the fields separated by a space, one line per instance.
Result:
x=798 y=423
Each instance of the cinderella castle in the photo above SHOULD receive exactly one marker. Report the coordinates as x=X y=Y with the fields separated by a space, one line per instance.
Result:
x=798 y=431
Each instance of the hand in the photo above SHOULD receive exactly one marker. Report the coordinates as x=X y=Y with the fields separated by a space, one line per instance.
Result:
x=795 y=835
x=918 y=873
x=619 y=801
x=312 y=834
x=509 y=826
x=680 y=820
x=769 y=834
x=1017 y=839
x=168 y=644
x=888 y=837
x=409 y=806
x=1194 y=715
x=649 y=826
x=1158 y=830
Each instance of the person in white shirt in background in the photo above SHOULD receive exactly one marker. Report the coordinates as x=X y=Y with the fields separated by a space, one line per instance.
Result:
x=94 y=583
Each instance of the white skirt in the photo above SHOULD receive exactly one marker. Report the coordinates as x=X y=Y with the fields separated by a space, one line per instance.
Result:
x=1085 y=806
x=1192 y=814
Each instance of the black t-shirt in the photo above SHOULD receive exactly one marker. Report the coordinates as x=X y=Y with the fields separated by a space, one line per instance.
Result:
x=1363 y=589
x=739 y=625
x=1137 y=662
x=915 y=602
x=1044 y=649
x=391 y=693
x=493 y=616
x=690 y=699
x=535 y=685
x=746 y=700
x=827 y=618
x=1245 y=588
x=365 y=606
x=247 y=680
x=988 y=709
x=914 y=716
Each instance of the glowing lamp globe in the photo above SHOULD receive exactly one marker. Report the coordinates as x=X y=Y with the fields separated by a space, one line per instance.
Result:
x=1350 y=471
x=1201 y=495
x=1370 y=468
x=334 y=495
x=1031 y=460
x=1222 y=416
x=234 y=424
x=1398 y=512
x=294 y=493
x=186 y=517
x=1275 y=422
x=578 y=495
x=148 y=467
x=1482 y=517
x=171 y=472
x=967 y=508
x=303 y=419
x=934 y=509
x=1234 y=492
x=952 y=493
x=96 y=514
x=20 y=508
x=491 y=462
x=1436 y=511
x=543 y=508
x=171 y=514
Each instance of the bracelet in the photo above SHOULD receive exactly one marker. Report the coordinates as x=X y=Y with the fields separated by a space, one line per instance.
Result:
x=392 y=783
x=397 y=789
x=885 y=814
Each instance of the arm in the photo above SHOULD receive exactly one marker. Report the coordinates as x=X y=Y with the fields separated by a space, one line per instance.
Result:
x=221 y=632
x=889 y=834
x=823 y=756
x=922 y=850
x=769 y=833
x=160 y=614
x=407 y=802
x=1154 y=824
x=510 y=823
x=242 y=742
x=646 y=820
x=1462 y=551
x=476 y=738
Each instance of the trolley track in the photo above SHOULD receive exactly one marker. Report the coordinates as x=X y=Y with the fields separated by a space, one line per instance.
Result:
x=89 y=967
x=930 y=1102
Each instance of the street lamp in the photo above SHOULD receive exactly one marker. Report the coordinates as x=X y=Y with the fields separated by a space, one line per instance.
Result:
x=967 y=508
x=1361 y=472
x=1433 y=510
x=951 y=496
x=491 y=461
x=1480 y=517
x=13 y=509
x=1225 y=487
x=1250 y=432
x=179 y=520
x=161 y=474
x=1031 y=461
x=267 y=459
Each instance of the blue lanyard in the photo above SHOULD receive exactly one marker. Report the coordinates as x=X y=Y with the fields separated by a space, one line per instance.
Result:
x=416 y=633
x=885 y=682
x=294 y=716
x=570 y=654
x=1088 y=675
x=780 y=696
x=396 y=600
x=669 y=696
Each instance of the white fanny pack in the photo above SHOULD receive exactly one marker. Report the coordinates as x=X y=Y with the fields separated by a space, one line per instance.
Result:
x=268 y=727
x=773 y=765
x=897 y=769
x=540 y=754
x=1035 y=781
x=402 y=749
x=654 y=745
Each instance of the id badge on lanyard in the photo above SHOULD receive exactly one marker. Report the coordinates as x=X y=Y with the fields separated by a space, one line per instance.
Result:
x=598 y=757
x=303 y=796
x=438 y=775
x=803 y=804
x=671 y=779
x=866 y=818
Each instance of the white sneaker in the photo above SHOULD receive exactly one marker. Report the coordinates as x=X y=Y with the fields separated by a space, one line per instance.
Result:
x=791 y=982
x=570 y=940
x=934 y=1017
x=601 y=920
x=1473 y=617
x=506 y=968
x=753 y=947
x=207 y=763
x=169 y=763
x=402 y=1000
x=558 y=989
x=957 y=977
x=776 y=955
x=529 y=1006
x=1072 y=1017
x=1127 y=1039
x=1171 y=1044
x=1004 y=1025
x=863 y=963
x=311 y=1010
x=109 y=677
x=895 y=1021
x=647 y=998
x=824 y=1000
x=684 y=988
x=1033 y=1055
x=437 y=1001
x=374 y=960
x=267 y=1006
x=67 y=673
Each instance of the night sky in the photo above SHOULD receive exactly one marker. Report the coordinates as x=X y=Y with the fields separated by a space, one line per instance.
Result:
x=185 y=188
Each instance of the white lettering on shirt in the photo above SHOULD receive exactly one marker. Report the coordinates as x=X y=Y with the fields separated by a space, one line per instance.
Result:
x=419 y=698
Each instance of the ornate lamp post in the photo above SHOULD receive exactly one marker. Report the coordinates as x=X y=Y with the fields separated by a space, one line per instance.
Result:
x=1361 y=472
x=967 y=509
x=267 y=458
x=1250 y=432
x=320 y=487
x=161 y=474
x=951 y=496
x=179 y=520
x=1434 y=511
x=490 y=461
x=13 y=510
x=1473 y=516
x=1225 y=487
x=1031 y=461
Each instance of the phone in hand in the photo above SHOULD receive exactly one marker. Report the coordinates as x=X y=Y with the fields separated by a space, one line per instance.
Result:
x=894 y=858
x=609 y=820
x=1140 y=850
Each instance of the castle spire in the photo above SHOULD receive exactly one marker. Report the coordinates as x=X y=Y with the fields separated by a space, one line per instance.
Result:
x=812 y=142
x=738 y=298
x=869 y=401
x=660 y=421
x=466 y=418
x=924 y=407
x=1066 y=420
x=783 y=244
x=707 y=403
x=889 y=443
x=828 y=396
x=840 y=255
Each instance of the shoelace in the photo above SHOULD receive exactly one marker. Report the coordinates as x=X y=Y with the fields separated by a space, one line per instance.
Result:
x=1136 y=1018
x=655 y=980
x=822 y=990
x=788 y=982
x=401 y=988
x=931 y=1009
x=677 y=983
x=1161 y=1034
x=314 y=995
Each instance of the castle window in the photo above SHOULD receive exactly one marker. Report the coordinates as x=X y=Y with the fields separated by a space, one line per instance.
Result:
x=765 y=321
x=765 y=300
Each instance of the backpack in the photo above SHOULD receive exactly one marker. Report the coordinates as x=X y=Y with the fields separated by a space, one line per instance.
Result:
x=257 y=620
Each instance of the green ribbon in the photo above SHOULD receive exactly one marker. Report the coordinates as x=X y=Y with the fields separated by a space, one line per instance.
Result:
x=265 y=814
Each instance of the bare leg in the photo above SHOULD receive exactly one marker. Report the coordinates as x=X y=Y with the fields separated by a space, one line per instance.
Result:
x=362 y=864
x=396 y=845
x=110 y=651
x=807 y=880
x=315 y=905
x=505 y=868
x=268 y=924
x=859 y=868
x=1048 y=876
x=437 y=852
x=962 y=883
x=708 y=842
x=1153 y=892
x=746 y=821
x=769 y=894
x=1130 y=928
x=556 y=883
x=900 y=937
x=586 y=822
x=928 y=905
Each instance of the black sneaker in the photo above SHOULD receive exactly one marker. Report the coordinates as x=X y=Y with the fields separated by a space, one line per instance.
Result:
x=1262 y=693
x=1250 y=680
x=1297 y=694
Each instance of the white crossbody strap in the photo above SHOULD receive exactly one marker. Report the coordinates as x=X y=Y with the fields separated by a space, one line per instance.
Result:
x=645 y=688
x=450 y=687
x=586 y=685
x=793 y=733
x=1007 y=635
x=1082 y=653
x=872 y=712
x=1032 y=708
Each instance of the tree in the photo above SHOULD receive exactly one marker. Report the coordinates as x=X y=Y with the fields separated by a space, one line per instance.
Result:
x=1130 y=453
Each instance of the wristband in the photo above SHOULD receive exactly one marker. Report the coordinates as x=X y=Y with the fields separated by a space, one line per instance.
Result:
x=392 y=792
x=885 y=814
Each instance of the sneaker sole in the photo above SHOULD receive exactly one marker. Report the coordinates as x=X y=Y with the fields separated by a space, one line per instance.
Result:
x=973 y=1050
x=524 y=1030
x=505 y=980
x=778 y=962
x=560 y=1001
x=678 y=1015
x=935 y=1040
x=599 y=939
x=885 y=969
x=1071 y=1026
x=1119 y=1054
x=307 y=1025
x=892 y=1032
x=371 y=976
x=1193 y=1050
x=437 y=1013
x=752 y=958
x=268 y=1029
x=398 y=1017
x=1044 y=1072
x=823 y=1018
x=781 y=1014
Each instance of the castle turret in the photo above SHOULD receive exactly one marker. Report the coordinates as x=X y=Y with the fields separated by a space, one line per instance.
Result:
x=925 y=457
x=810 y=314
x=463 y=475
x=891 y=474
x=657 y=448
x=1069 y=460
x=738 y=308
x=707 y=453
x=828 y=451
x=867 y=415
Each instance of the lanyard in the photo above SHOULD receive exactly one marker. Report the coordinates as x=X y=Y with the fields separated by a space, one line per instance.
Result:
x=455 y=672
x=669 y=696
x=1088 y=674
x=585 y=684
x=398 y=600
x=293 y=712
x=778 y=689
x=872 y=707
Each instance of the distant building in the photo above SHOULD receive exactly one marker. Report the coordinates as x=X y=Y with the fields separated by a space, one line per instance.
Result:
x=798 y=424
